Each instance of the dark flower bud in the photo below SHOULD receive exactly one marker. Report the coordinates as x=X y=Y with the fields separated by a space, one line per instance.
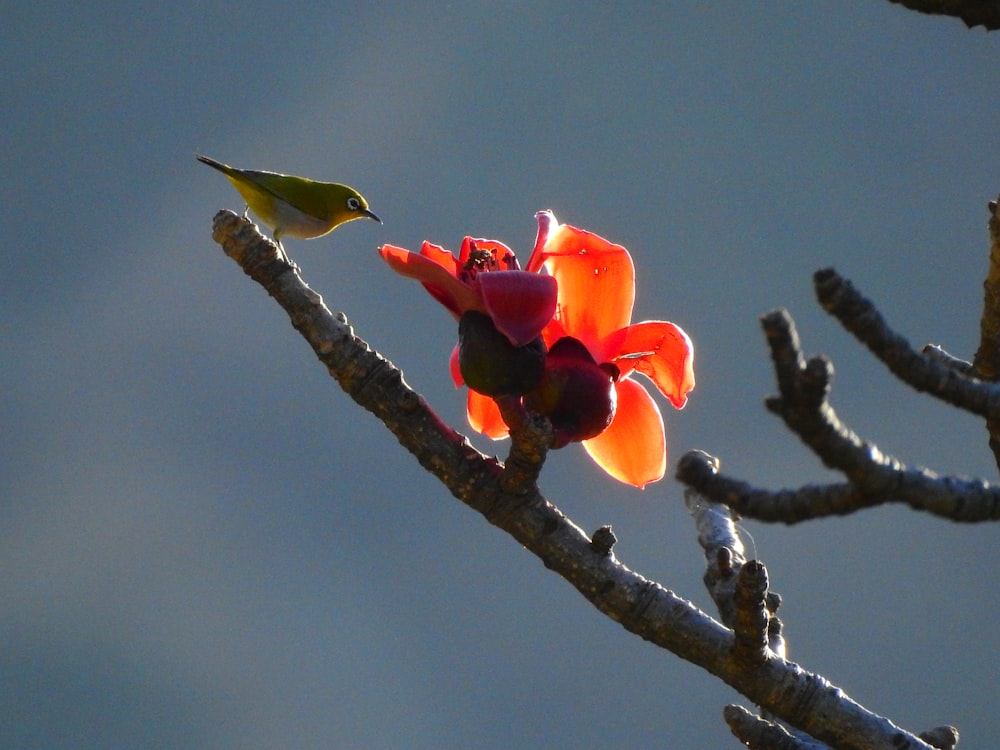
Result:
x=575 y=393
x=490 y=364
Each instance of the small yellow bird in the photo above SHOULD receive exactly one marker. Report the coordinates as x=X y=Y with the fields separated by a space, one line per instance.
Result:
x=294 y=206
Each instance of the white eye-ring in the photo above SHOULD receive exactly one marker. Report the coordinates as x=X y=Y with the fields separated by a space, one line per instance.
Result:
x=353 y=204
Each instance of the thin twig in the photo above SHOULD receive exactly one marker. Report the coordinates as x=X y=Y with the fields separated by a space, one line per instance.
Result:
x=873 y=478
x=986 y=363
x=922 y=372
x=972 y=13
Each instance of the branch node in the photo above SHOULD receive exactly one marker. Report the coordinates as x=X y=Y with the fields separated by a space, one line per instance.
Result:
x=751 y=621
x=603 y=540
x=696 y=466
x=943 y=738
x=531 y=437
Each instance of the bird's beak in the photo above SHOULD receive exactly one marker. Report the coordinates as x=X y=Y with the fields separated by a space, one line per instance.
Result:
x=370 y=215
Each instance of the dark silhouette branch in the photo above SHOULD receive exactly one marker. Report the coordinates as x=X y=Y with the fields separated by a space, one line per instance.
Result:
x=986 y=364
x=644 y=607
x=873 y=478
x=919 y=370
x=985 y=13
x=987 y=361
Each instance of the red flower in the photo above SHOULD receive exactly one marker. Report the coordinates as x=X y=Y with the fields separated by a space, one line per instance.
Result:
x=595 y=296
x=577 y=293
x=485 y=277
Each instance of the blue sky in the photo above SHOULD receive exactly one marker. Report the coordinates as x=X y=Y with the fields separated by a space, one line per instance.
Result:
x=205 y=544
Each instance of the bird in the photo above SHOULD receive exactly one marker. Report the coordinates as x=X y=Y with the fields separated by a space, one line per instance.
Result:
x=294 y=206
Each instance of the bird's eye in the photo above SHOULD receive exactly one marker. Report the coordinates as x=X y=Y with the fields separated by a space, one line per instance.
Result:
x=353 y=204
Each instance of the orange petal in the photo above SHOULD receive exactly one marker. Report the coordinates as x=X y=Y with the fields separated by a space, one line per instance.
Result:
x=455 y=369
x=484 y=416
x=547 y=225
x=596 y=283
x=634 y=447
x=434 y=271
x=442 y=257
x=659 y=350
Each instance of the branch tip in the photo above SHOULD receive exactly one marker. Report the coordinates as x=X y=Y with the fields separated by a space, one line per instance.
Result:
x=696 y=465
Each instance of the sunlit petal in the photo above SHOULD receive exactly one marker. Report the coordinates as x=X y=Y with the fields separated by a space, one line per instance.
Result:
x=596 y=283
x=484 y=416
x=547 y=224
x=440 y=256
x=662 y=352
x=434 y=275
x=455 y=369
x=634 y=447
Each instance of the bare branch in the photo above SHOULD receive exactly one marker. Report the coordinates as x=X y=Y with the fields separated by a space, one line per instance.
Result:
x=738 y=587
x=985 y=13
x=758 y=733
x=699 y=471
x=873 y=477
x=987 y=360
x=924 y=373
x=644 y=607
x=937 y=353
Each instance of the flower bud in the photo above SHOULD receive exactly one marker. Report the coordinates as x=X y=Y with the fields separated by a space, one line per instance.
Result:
x=575 y=393
x=490 y=364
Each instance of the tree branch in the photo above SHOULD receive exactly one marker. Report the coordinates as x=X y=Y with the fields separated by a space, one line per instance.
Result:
x=873 y=477
x=923 y=372
x=987 y=360
x=985 y=13
x=644 y=607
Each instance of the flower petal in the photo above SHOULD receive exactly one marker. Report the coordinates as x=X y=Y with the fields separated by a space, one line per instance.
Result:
x=634 y=447
x=520 y=303
x=436 y=273
x=484 y=416
x=547 y=224
x=596 y=283
x=455 y=369
x=659 y=350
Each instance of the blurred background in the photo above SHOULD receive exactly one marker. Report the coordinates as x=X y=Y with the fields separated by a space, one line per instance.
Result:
x=205 y=544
